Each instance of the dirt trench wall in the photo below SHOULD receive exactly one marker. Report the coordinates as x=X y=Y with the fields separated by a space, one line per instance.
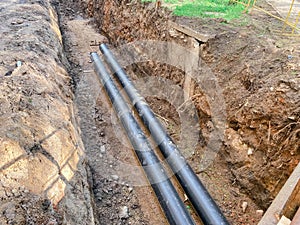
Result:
x=260 y=87
x=42 y=169
x=127 y=21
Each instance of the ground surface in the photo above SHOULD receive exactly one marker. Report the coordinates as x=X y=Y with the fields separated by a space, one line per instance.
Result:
x=115 y=185
x=42 y=173
x=283 y=8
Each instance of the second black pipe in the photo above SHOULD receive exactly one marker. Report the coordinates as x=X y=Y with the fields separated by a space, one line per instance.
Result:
x=203 y=203
x=172 y=205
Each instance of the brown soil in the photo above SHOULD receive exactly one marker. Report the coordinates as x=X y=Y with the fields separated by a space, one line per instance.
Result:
x=258 y=72
x=260 y=84
x=116 y=178
x=42 y=169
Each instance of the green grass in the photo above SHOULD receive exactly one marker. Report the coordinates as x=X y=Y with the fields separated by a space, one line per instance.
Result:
x=205 y=8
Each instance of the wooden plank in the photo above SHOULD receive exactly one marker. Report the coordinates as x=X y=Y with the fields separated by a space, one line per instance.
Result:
x=293 y=202
x=296 y=219
x=284 y=221
x=190 y=32
x=283 y=199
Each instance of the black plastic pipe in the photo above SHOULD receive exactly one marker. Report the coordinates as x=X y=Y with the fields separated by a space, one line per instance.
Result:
x=173 y=207
x=201 y=200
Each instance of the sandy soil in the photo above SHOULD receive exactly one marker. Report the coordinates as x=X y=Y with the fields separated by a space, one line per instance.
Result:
x=42 y=168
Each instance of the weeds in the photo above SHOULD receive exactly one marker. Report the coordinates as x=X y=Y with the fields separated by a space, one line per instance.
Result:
x=205 y=8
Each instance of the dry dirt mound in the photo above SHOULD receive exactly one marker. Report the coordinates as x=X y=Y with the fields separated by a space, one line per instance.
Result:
x=42 y=170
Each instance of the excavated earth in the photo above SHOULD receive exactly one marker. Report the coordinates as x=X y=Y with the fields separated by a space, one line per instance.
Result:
x=43 y=176
x=66 y=159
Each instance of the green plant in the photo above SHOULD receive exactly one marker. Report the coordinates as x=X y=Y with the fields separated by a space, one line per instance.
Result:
x=205 y=8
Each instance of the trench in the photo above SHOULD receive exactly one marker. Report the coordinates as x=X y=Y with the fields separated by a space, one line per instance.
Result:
x=48 y=178
x=232 y=179
x=107 y=146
